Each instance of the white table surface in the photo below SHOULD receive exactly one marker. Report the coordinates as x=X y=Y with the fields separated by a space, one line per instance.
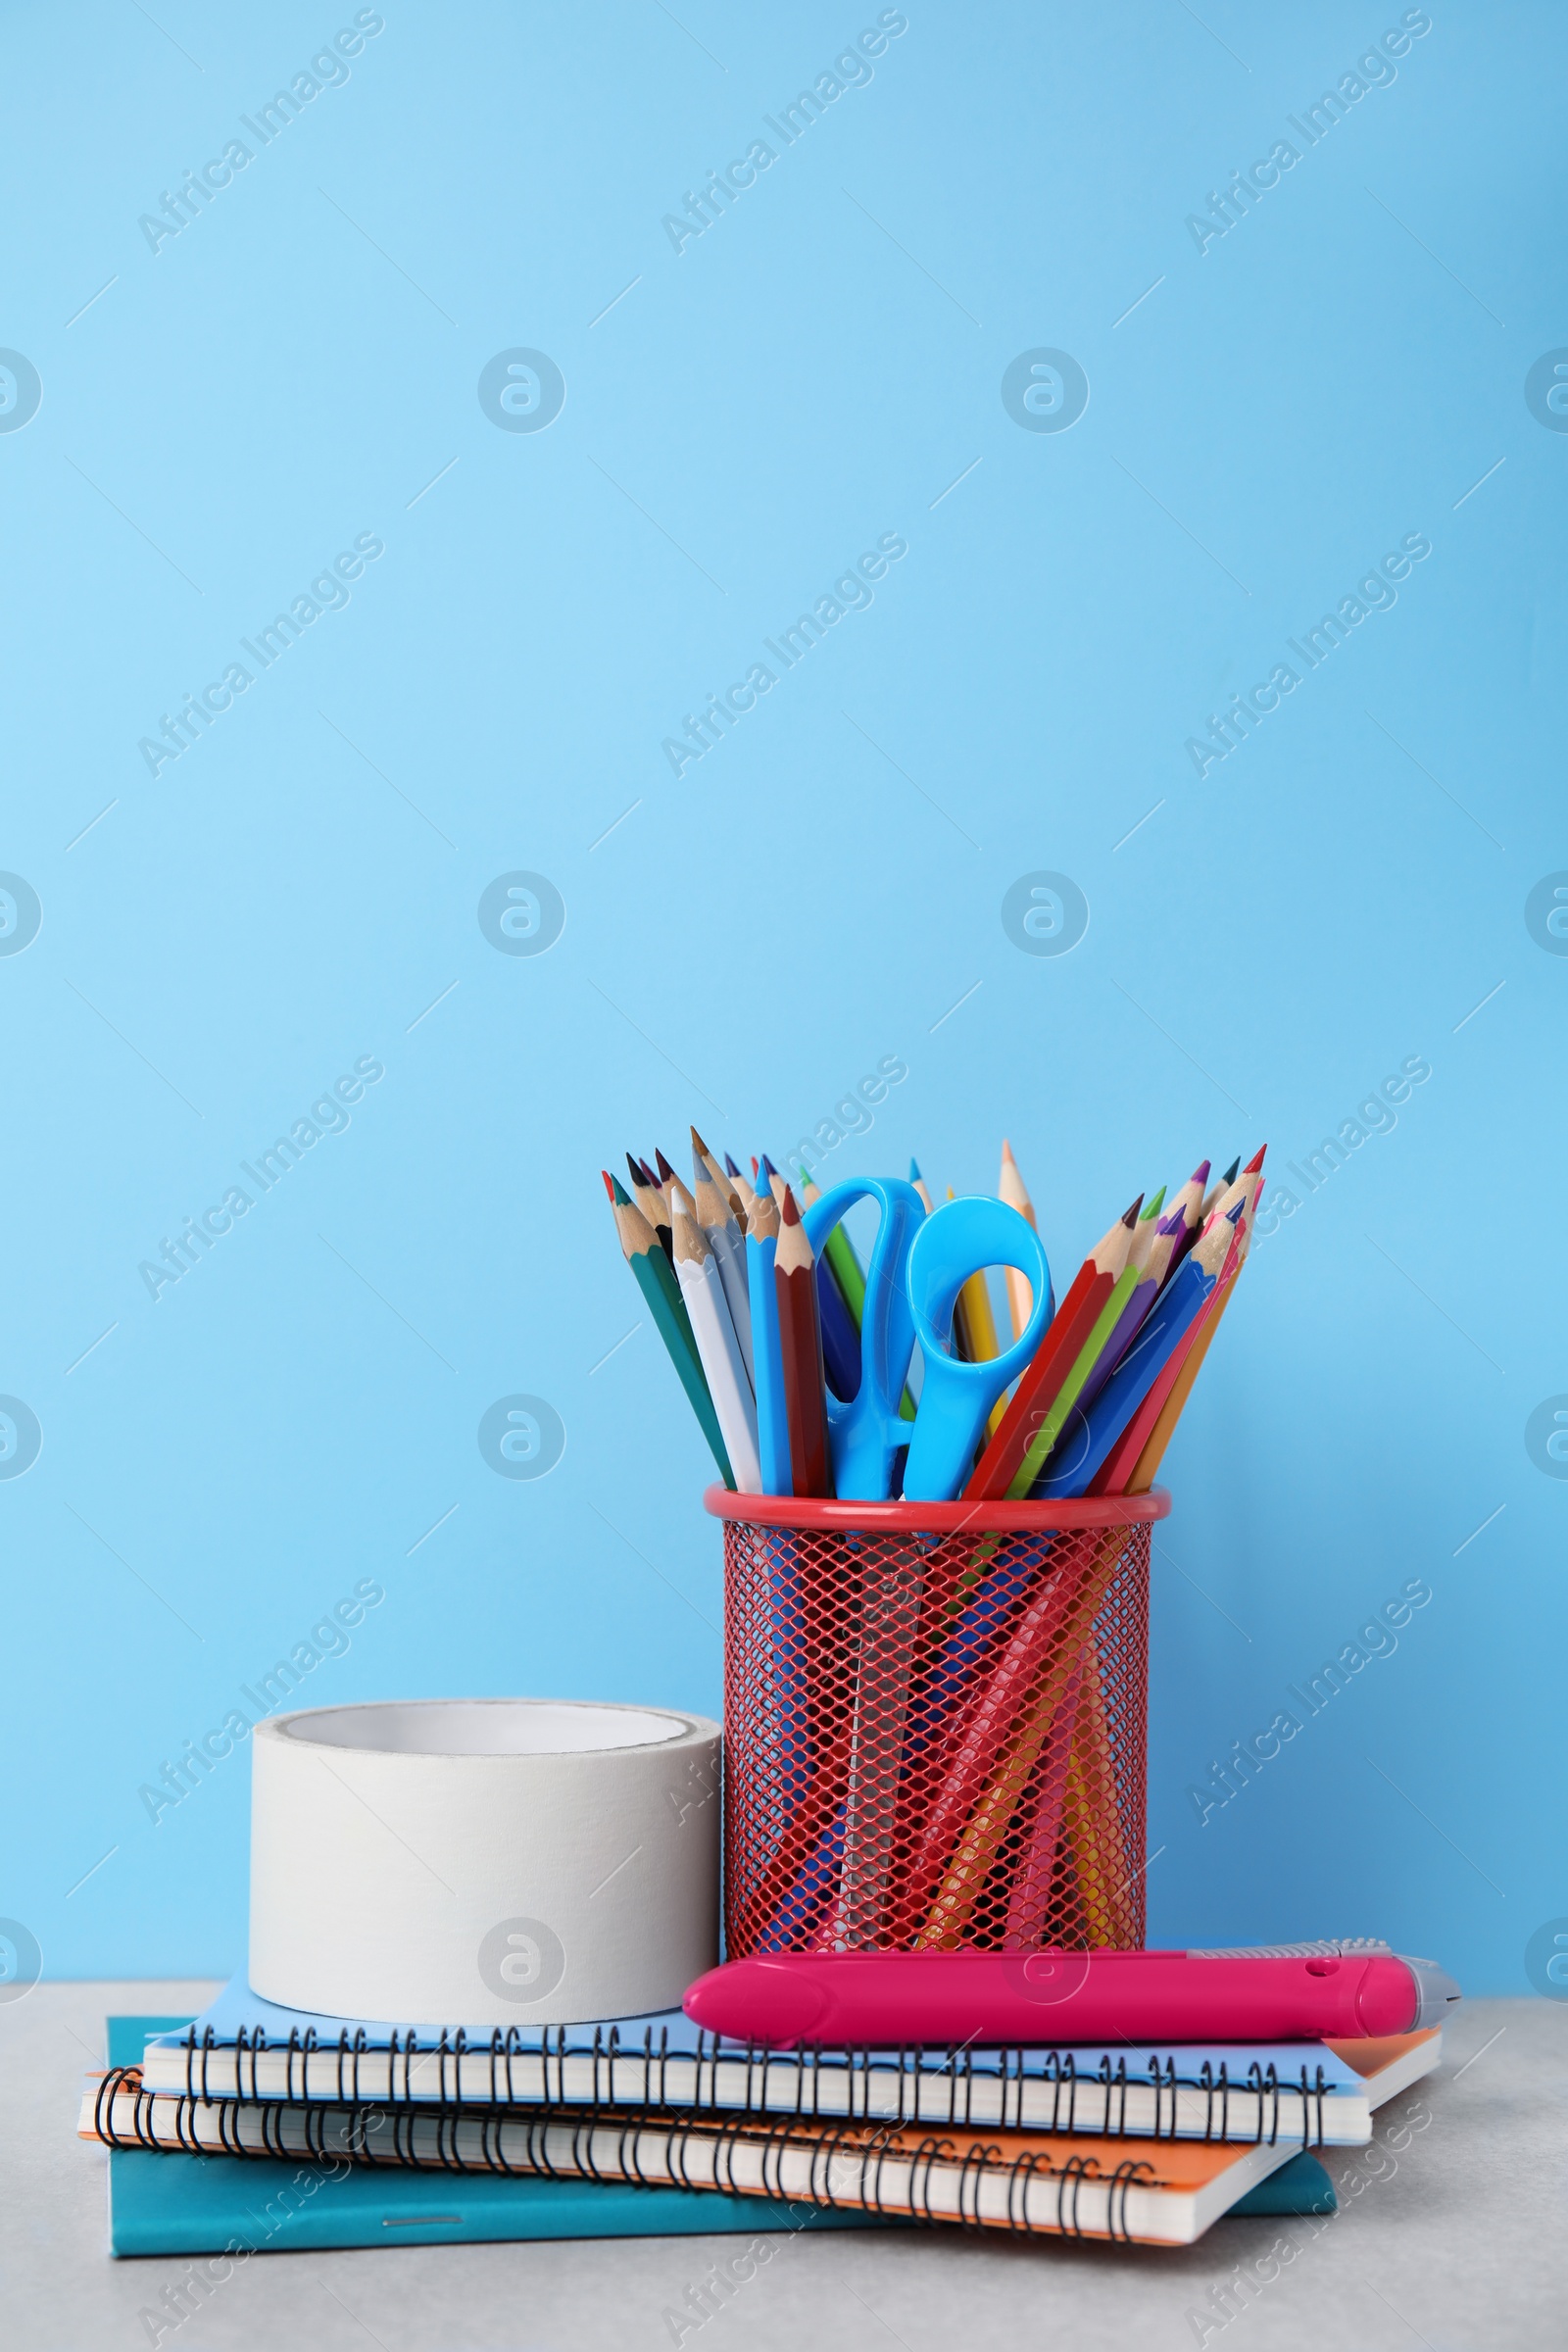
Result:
x=1458 y=2241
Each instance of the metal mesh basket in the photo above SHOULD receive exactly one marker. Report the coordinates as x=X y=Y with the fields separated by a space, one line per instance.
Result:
x=935 y=1723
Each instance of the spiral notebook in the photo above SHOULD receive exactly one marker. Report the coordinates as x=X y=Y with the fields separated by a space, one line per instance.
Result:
x=1311 y=2093
x=1030 y=2184
x=160 y=2202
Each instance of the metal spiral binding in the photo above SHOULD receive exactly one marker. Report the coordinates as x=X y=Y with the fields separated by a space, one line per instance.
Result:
x=330 y=2133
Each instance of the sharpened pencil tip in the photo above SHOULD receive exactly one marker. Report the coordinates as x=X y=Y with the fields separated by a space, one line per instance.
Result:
x=1229 y=1176
x=666 y=1172
x=787 y=1209
x=1256 y=1161
x=1131 y=1215
x=1155 y=1205
x=618 y=1193
x=609 y=1182
x=1200 y=1174
x=637 y=1176
x=754 y=1163
x=767 y=1168
x=914 y=1169
x=730 y=1169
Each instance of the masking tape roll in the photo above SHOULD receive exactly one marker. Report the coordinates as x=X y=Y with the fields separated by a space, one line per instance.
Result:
x=484 y=1862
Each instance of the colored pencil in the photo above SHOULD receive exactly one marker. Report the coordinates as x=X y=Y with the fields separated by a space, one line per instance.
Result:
x=841 y=1340
x=1146 y=1228
x=703 y=1160
x=703 y=1289
x=1131 y=1468
x=965 y=1347
x=656 y=1280
x=1138 y=1306
x=1231 y=1197
x=850 y=1275
x=772 y=1417
x=1220 y=1185
x=1066 y=1337
x=838 y=1300
x=982 y=1322
x=724 y=1239
x=1005 y=1732
x=974 y=1332
x=743 y=1189
x=800 y=1335
x=1020 y=1294
x=1190 y=1201
x=1106 y=1871
x=1050 y=1427
x=724 y=1183
x=839 y=1250
x=1092 y=1433
x=667 y=1177
x=890 y=1622
x=1038 y=1858
x=649 y=1204
x=1142 y=1476
x=920 y=1186
x=1148 y=1431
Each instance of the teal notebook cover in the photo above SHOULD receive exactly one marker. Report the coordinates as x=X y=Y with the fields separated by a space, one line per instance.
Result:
x=1300 y=2187
x=166 y=2204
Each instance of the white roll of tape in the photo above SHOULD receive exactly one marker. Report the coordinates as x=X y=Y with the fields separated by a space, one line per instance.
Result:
x=483 y=1861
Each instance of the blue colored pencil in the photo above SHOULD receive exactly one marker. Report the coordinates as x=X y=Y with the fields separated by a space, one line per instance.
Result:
x=840 y=1342
x=1087 y=1437
x=767 y=1362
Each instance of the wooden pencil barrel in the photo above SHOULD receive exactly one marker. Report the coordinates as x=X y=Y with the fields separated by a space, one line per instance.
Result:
x=935 y=1723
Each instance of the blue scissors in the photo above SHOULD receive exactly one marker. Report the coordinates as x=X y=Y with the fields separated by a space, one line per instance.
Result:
x=866 y=1433
x=958 y=1240
x=917 y=1267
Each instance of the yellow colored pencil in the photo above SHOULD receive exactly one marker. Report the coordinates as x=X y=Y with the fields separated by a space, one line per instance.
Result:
x=979 y=1328
x=1011 y=1189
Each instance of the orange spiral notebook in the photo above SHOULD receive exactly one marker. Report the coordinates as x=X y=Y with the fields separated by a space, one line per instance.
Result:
x=1030 y=2184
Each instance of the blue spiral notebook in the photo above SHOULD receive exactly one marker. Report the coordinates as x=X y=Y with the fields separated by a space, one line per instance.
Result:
x=167 y=2204
x=244 y=2047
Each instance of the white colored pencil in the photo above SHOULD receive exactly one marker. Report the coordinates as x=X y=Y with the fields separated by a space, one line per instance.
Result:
x=729 y=1244
x=713 y=1329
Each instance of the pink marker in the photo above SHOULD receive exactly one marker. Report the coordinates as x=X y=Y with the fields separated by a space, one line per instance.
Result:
x=893 y=2000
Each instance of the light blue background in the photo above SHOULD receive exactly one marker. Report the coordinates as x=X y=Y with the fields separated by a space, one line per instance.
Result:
x=294 y=892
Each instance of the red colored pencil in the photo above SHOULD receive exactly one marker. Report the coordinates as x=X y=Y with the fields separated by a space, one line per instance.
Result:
x=1119 y=1464
x=1063 y=1342
x=800 y=1334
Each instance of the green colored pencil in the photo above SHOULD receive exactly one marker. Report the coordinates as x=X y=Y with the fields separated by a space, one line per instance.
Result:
x=655 y=1279
x=1055 y=1422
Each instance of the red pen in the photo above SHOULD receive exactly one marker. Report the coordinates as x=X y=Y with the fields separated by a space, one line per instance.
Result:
x=895 y=2000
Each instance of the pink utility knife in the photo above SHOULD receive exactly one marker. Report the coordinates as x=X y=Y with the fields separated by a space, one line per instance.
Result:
x=895 y=2000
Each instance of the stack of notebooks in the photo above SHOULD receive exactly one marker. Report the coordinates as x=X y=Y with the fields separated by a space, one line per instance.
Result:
x=253 y=2125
